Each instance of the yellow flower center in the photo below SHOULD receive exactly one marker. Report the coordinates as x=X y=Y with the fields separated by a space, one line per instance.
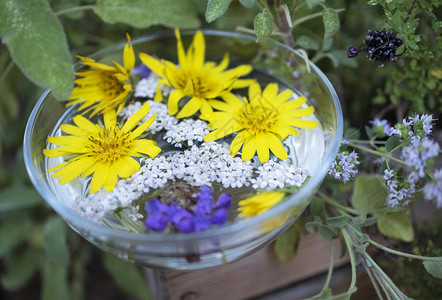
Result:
x=109 y=145
x=201 y=84
x=257 y=119
x=110 y=85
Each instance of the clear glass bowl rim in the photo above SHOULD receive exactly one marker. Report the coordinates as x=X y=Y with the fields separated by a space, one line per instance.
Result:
x=79 y=221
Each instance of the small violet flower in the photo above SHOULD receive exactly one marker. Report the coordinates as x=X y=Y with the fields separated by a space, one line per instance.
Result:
x=419 y=154
x=433 y=189
x=344 y=167
x=142 y=70
x=401 y=189
x=380 y=127
x=196 y=218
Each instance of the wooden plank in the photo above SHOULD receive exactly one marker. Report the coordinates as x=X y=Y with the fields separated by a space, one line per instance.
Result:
x=256 y=274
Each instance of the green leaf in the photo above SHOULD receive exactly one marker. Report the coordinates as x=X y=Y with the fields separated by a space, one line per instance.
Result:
x=369 y=195
x=263 y=25
x=311 y=226
x=144 y=13
x=392 y=142
x=54 y=238
x=307 y=42
x=339 y=221
x=396 y=225
x=18 y=197
x=331 y=22
x=434 y=267
x=22 y=269
x=326 y=232
x=13 y=234
x=37 y=43
x=317 y=207
x=400 y=50
x=215 y=9
x=127 y=277
x=313 y=3
x=287 y=243
x=55 y=283
x=247 y=3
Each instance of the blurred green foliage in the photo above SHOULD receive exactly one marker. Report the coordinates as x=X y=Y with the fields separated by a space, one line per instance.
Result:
x=40 y=38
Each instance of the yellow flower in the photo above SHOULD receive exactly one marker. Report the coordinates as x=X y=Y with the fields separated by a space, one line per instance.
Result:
x=104 y=151
x=104 y=87
x=194 y=78
x=258 y=204
x=263 y=121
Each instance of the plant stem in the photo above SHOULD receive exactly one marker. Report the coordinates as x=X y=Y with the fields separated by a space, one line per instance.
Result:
x=6 y=71
x=348 y=242
x=284 y=23
x=312 y=16
x=373 y=281
x=376 y=153
x=368 y=142
x=330 y=268
x=72 y=9
x=337 y=205
x=403 y=253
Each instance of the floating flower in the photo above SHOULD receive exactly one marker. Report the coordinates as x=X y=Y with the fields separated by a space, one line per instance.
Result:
x=104 y=87
x=190 y=215
x=263 y=121
x=194 y=78
x=258 y=204
x=104 y=151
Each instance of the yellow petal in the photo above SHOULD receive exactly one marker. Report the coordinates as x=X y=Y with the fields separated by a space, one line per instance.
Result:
x=98 y=178
x=249 y=148
x=236 y=144
x=142 y=128
x=262 y=147
x=128 y=55
x=110 y=119
x=270 y=91
x=111 y=179
x=136 y=118
x=172 y=103
x=198 y=49
x=190 y=108
x=276 y=146
x=84 y=123
x=126 y=166
x=182 y=59
x=154 y=65
x=254 y=92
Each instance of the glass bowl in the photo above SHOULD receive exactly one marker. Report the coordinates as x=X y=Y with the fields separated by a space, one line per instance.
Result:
x=273 y=62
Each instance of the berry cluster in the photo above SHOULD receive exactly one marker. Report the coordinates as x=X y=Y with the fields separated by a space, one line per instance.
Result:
x=380 y=46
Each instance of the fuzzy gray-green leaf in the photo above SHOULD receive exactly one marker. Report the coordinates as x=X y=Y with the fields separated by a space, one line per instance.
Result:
x=144 y=13
x=434 y=267
x=287 y=243
x=132 y=281
x=54 y=237
x=369 y=195
x=263 y=25
x=331 y=22
x=37 y=43
x=215 y=9
x=396 y=225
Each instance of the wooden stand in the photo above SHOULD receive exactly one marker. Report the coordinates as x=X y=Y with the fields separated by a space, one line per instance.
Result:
x=256 y=274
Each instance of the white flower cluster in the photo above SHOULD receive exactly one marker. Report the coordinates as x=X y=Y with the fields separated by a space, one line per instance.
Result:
x=147 y=87
x=187 y=131
x=273 y=174
x=95 y=205
x=162 y=121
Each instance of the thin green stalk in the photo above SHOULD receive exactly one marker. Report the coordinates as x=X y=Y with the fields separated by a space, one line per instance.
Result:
x=385 y=279
x=312 y=16
x=373 y=281
x=72 y=9
x=403 y=253
x=330 y=268
x=337 y=205
x=348 y=242
x=368 y=142
x=6 y=71
x=376 y=153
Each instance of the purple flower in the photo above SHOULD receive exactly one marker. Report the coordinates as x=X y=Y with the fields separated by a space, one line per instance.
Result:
x=401 y=189
x=344 y=168
x=352 y=52
x=381 y=127
x=196 y=218
x=141 y=70
x=419 y=154
x=433 y=189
